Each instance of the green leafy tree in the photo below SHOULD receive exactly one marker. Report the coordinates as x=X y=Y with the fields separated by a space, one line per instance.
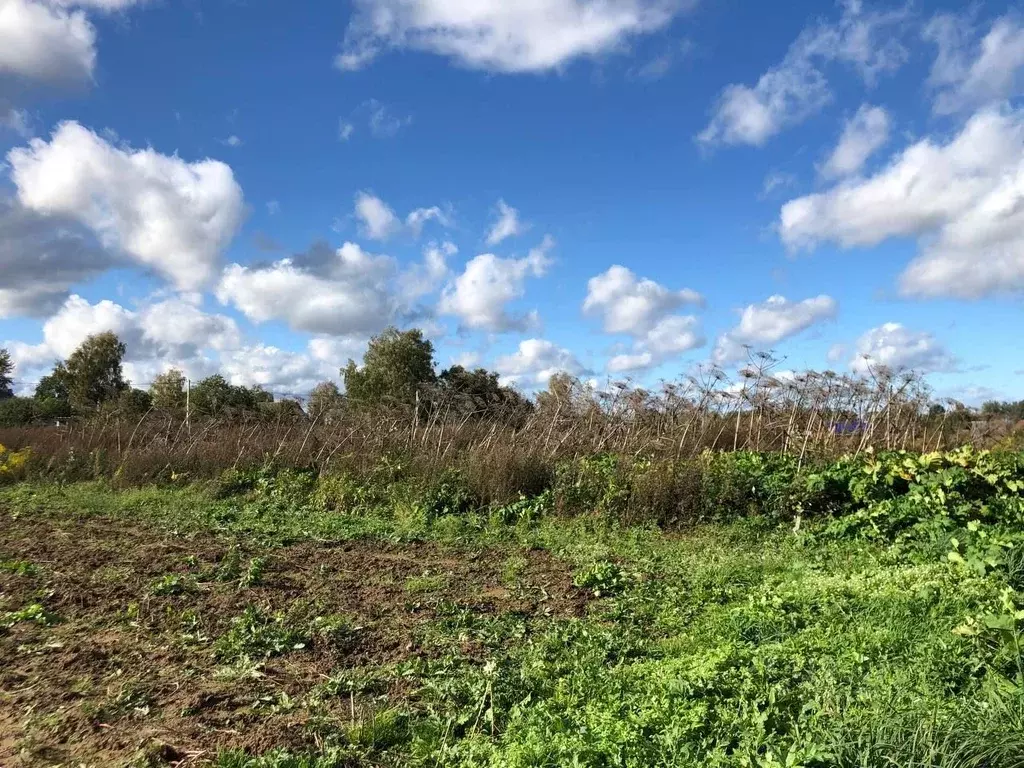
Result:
x=134 y=401
x=55 y=386
x=211 y=396
x=168 y=390
x=323 y=400
x=6 y=369
x=478 y=392
x=396 y=366
x=214 y=396
x=17 y=411
x=94 y=371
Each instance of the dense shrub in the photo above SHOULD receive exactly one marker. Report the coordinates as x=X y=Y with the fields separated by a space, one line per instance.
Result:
x=596 y=485
x=741 y=483
x=16 y=411
x=447 y=494
x=23 y=411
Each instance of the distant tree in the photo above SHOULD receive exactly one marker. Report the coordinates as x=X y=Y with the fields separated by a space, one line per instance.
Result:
x=396 y=366
x=51 y=410
x=17 y=411
x=479 y=392
x=256 y=395
x=94 y=371
x=1004 y=410
x=134 y=402
x=6 y=369
x=55 y=386
x=286 y=410
x=561 y=395
x=214 y=396
x=324 y=399
x=168 y=390
x=52 y=398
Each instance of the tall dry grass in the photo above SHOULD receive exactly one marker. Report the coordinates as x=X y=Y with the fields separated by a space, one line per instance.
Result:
x=811 y=415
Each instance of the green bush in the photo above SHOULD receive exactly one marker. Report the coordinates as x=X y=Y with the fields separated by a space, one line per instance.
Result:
x=593 y=485
x=268 y=483
x=449 y=494
x=603 y=578
x=741 y=483
x=17 y=411
x=348 y=493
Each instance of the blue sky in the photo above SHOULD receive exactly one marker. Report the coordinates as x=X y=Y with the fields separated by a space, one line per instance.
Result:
x=624 y=188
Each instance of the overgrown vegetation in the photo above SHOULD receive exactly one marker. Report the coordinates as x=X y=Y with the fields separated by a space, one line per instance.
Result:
x=396 y=404
x=431 y=569
x=864 y=611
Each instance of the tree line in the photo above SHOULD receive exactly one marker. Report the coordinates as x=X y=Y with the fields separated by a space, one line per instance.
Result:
x=398 y=370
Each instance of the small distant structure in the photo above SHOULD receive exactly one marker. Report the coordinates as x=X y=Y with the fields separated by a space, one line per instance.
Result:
x=852 y=427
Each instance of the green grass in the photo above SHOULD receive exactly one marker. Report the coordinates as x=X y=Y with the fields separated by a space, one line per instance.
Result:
x=425 y=583
x=861 y=641
x=18 y=567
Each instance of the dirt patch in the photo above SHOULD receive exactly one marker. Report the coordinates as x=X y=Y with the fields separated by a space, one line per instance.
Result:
x=122 y=659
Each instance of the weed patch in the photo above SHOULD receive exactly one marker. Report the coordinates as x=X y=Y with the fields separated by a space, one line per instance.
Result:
x=725 y=610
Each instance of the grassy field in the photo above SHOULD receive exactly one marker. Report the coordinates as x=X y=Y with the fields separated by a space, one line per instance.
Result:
x=864 y=614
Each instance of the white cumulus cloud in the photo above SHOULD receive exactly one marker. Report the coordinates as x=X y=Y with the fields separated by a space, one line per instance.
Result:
x=344 y=293
x=508 y=224
x=969 y=73
x=284 y=372
x=172 y=216
x=480 y=296
x=535 y=362
x=423 y=279
x=796 y=88
x=46 y=44
x=863 y=135
x=378 y=220
x=770 y=322
x=961 y=198
x=175 y=332
x=418 y=218
x=642 y=308
x=628 y=304
x=897 y=348
x=502 y=36
x=672 y=336
x=170 y=332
